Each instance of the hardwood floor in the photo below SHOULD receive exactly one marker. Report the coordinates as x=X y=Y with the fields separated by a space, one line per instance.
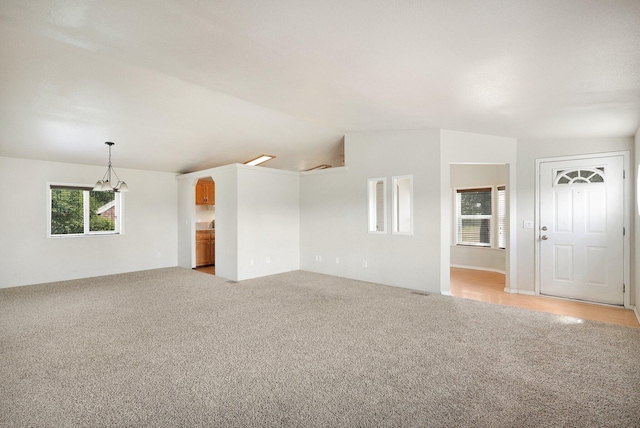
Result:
x=207 y=269
x=489 y=287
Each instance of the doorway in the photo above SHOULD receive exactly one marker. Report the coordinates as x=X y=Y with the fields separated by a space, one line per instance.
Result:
x=205 y=217
x=581 y=227
x=479 y=217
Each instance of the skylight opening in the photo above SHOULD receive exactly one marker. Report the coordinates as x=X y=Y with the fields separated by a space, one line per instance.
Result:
x=323 y=166
x=259 y=160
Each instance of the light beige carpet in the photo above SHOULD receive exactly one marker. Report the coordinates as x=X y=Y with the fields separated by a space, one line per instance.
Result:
x=174 y=347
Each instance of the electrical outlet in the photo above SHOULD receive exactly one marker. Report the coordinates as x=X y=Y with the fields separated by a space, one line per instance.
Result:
x=337 y=260
x=319 y=258
x=364 y=263
x=251 y=262
x=268 y=260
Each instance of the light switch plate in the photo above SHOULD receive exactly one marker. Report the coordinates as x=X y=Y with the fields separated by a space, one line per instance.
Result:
x=527 y=224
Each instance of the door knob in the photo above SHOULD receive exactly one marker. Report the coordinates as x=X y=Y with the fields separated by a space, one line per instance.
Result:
x=544 y=227
x=544 y=237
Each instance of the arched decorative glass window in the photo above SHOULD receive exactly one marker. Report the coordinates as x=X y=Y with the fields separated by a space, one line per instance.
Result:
x=580 y=176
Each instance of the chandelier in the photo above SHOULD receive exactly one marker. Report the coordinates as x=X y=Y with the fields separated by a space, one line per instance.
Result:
x=105 y=185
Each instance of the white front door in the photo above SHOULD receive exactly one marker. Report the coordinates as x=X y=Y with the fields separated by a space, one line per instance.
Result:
x=581 y=229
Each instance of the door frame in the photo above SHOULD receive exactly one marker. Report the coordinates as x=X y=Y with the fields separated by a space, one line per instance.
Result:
x=626 y=212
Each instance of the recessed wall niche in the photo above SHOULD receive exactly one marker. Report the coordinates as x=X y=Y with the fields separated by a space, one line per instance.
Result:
x=402 y=205
x=377 y=205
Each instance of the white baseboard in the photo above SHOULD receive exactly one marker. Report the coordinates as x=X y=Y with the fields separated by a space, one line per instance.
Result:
x=635 y=310
x=516 y=291
x=479 y=268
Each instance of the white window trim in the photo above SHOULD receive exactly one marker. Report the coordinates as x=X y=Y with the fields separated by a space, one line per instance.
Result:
x=120 y=209
x=493 y=236
x=394 y=229
x=372 y=205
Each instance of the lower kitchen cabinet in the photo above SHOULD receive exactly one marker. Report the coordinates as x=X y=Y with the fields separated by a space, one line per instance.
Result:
x=205 y=247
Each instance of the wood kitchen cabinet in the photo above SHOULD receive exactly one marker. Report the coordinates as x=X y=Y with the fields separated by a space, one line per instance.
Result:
x=205 y=192
x=205 y=247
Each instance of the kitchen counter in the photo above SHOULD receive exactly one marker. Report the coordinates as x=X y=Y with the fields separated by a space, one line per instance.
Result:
x=204 y=225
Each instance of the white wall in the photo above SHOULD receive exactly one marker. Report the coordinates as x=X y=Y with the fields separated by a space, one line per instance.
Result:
x=257 y=219
x=464 y=147
x=325 y=205
x=473 y=175
x=268 y=221
x=28 y=256
x=528 y=152
x=480 y=258
x=334 y=237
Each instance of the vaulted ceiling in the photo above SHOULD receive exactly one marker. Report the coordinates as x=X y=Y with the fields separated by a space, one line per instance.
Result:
x=186 y=85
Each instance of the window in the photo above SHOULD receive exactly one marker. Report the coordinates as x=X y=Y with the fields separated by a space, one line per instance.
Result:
x=403 y=205
x=475 y=221
x=474 y=217
x=77 y=210
x=580 y=176
x=376 y=189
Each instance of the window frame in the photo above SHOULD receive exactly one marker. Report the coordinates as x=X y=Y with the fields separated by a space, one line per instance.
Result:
x=86 y=189
x=458 y=217
x=494 y=234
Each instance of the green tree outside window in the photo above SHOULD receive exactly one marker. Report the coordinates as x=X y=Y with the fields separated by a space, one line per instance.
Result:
x=68 y=211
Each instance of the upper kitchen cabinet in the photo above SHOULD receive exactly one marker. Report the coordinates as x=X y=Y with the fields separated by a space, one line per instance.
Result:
x=205 y=192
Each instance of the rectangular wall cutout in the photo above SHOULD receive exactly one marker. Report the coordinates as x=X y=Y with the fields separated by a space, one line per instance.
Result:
x=403 y=205
x=376 y=191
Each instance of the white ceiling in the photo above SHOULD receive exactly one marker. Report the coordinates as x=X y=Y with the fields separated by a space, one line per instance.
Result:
x=186 y=85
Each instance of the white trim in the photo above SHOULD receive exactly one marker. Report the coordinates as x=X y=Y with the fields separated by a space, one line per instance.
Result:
x=118 y=200
x=494 y=216
x=447 y=201
x=332 y=170
x=394 y=211
x=482 y=247
x=638 y=188
x=589 y=302
x=516 y=291
x=86 y=212
x=491 y=217
x=627 y=198
x=635 y=311
x=372 y=219
x=479 y=268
